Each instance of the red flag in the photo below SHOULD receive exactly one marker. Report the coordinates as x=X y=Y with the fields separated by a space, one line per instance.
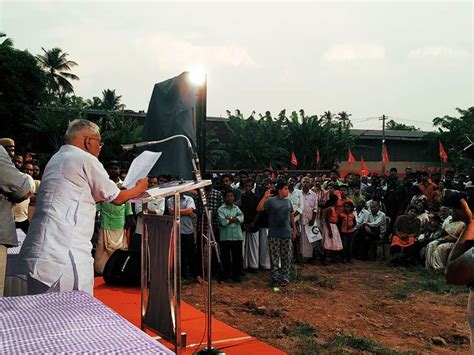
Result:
x=363 y=167
x=351 y=159
x=385 y=158
x=318 y=157
x=442 y=153
x=293 y=160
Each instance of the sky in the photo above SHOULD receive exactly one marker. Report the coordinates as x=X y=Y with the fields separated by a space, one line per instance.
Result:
x=411 y=61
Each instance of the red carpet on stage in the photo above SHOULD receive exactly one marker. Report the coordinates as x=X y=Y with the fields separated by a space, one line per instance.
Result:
x=126 y=302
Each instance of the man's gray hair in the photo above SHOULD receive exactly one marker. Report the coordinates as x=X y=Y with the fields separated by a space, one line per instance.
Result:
x=79 y=125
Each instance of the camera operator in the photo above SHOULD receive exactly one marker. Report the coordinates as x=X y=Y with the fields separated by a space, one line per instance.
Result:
x=460 y=267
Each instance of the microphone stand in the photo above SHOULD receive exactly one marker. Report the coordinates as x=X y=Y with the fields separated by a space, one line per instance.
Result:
x=211 y=240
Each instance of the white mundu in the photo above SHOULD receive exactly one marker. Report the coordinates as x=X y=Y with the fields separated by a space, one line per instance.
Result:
x=58 y=244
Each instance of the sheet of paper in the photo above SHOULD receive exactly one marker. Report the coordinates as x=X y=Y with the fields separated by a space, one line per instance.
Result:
x=313 y=233
x=140 y=167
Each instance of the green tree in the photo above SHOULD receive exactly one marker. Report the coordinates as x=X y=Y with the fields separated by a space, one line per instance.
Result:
x=120 y=130
x=58 y=68
x=455 y=133
x=253 y=143
x=22 y=90
x=111 y=101
x=396 y=126
x=7 y=42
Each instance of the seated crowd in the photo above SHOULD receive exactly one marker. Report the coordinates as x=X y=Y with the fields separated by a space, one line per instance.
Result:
x=335 y=220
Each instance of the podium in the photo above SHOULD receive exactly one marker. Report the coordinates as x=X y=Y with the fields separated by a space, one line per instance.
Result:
x=161 y=265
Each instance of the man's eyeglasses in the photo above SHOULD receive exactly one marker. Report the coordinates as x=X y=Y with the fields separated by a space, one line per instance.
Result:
x=97 y=139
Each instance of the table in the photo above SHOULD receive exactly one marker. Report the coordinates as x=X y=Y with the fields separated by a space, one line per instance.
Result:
x=69 y=322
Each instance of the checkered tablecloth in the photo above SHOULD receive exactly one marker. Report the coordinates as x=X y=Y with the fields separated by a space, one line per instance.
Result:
x=68 y=322
x=21 y=238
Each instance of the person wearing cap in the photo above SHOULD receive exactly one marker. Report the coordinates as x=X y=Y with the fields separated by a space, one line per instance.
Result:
x=56 y=255
x=14 y=187
x=9 y=145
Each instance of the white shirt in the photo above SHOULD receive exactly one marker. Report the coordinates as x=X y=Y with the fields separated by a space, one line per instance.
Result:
x=362 y=216
x=296 y=199
x=310 y=205
x=21 y=209
x=73 y=181
x=158 y=206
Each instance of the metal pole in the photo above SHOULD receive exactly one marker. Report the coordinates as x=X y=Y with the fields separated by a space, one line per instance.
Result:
x=177 y=271
x=209 y=291
x=383 y=142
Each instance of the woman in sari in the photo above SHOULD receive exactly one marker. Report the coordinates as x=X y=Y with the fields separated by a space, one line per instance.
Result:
x=437 y=251
x=405 y=233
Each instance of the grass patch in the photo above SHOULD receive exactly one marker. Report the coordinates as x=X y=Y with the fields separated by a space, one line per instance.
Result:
x=303 y=330
x=341 y=342
x=304 y=335
x=306 y=346
x=430 y=282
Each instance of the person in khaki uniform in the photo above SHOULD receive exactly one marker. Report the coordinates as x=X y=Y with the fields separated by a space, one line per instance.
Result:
x=14 y=187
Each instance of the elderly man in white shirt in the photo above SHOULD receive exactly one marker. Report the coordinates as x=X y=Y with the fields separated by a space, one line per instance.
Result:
x=56 y=255
x=309 y=218
x=372 y=230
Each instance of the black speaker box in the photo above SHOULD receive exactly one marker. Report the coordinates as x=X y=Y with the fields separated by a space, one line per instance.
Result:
x=123 y=268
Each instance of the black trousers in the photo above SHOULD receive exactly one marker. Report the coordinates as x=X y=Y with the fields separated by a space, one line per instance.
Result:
x=23 y=225
x=347 y=241
x=188 y=256
x=232 y=260
x=365 y=243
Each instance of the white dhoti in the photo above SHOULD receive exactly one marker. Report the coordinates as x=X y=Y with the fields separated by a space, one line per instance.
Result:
x=251 y=250
x=76 y=276
x=108 y=242
x=263 y=254
x=306 y=248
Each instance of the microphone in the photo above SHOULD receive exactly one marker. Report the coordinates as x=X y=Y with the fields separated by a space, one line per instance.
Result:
x=136 y=145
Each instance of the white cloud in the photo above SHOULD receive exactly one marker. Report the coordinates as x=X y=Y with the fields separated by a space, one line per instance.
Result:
x=350 y=52
x=438 y=52
x=171 y=52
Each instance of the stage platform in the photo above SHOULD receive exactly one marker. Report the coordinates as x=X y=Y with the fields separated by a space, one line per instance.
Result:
x=126 y=302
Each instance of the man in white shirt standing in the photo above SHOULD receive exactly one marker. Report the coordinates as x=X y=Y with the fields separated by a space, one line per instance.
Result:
x=56 y=255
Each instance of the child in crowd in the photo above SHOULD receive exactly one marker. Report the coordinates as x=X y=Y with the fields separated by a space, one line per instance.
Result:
x=347 y=224
x=332 y=239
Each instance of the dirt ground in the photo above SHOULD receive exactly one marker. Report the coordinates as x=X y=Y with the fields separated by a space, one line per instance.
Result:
x=399 y=310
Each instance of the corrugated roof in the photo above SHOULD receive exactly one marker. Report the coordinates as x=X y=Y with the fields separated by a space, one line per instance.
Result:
x=389 y=134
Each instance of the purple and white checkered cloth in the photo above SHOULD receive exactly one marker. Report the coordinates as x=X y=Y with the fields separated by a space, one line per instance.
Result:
x=69 y=322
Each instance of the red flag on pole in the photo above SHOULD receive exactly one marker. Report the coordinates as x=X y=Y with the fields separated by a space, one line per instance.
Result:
x=351 y=159
x=293 y=160
x=442 y=153
x=363 y=167
x=385 y=158
x=318 y=156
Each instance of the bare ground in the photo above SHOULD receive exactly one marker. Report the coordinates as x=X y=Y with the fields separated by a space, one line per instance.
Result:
x=363 y=307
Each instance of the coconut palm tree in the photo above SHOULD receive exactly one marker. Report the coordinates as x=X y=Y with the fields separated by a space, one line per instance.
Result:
x=57 y=66
x=110 y=101
x=7 y=42
x=343 y=117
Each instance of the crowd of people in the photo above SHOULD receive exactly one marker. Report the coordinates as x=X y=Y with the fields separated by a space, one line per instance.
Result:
x=260 y=221
x=267 y=222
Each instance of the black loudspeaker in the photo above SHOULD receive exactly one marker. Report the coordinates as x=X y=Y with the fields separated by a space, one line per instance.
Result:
x=173 y=109
x=123 y=268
